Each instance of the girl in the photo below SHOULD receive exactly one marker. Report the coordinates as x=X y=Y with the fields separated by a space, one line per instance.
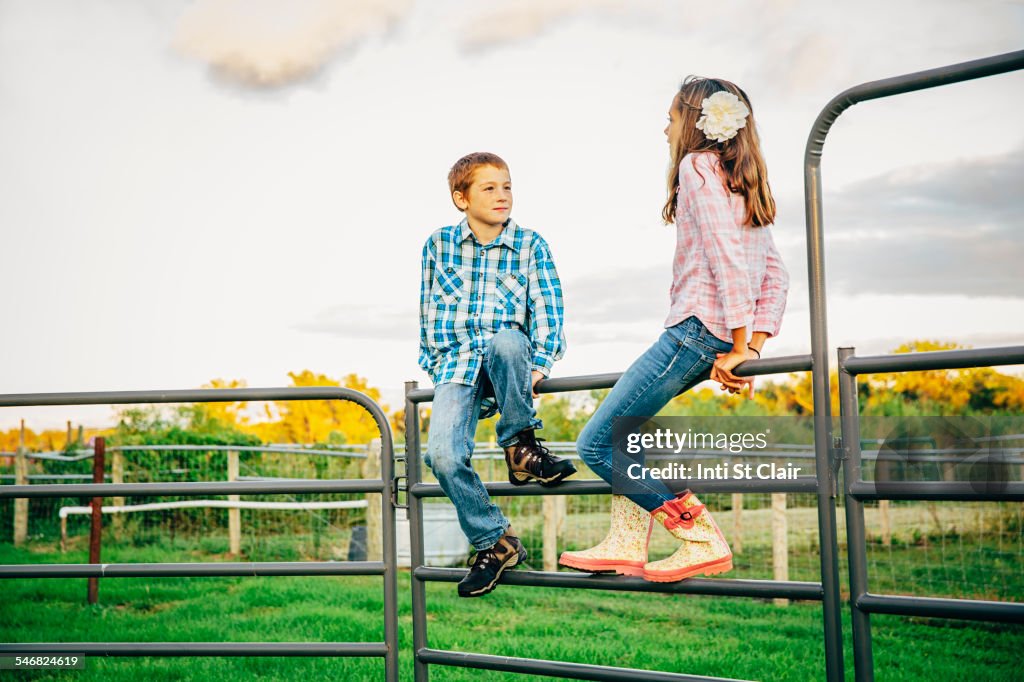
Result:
x=727 y=297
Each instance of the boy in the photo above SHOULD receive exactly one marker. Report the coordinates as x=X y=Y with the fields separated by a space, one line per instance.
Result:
x=490 y=321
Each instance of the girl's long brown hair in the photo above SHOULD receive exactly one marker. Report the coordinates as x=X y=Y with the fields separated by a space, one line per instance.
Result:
x=745 y=170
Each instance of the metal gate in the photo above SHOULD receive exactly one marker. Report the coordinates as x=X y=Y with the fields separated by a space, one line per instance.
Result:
x=388 y=649
x=863 y=603
x=826 y=591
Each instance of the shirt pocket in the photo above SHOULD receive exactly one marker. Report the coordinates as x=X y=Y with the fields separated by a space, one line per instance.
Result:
x=447 y=290
x=510 y=292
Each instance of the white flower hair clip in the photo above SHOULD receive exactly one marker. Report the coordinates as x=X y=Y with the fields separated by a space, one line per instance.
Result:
x=722 y=116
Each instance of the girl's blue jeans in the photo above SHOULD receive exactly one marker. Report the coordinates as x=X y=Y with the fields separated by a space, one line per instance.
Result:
x=679 y=360
x=508 y=361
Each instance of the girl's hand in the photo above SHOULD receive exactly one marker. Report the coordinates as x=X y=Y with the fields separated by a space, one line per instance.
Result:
x=721 y=371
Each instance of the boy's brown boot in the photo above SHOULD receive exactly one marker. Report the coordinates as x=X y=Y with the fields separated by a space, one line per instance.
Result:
x=488 y=565
x=528 y=460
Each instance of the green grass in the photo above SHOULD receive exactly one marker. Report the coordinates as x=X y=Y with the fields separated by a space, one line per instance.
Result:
x=728 y=637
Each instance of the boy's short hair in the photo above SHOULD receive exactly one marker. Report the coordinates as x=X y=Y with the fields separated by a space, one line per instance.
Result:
x=460 y=177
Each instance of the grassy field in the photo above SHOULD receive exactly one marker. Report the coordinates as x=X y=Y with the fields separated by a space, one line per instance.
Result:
x=738 y=638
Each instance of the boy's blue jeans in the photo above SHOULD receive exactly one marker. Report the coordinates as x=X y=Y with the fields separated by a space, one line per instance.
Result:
x=508 y=361
x=679 y=360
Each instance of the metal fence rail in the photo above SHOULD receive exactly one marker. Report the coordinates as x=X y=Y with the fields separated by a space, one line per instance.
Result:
x=388 y=649
x=862 y=602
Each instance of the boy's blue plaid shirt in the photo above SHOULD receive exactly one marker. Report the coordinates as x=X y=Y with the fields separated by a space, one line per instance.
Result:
x=469 y=291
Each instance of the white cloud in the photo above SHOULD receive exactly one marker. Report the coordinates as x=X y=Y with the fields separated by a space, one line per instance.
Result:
x=500 y=25
x=953 y=228
x=270 y=43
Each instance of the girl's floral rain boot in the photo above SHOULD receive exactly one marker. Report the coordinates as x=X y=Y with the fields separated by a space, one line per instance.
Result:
x=704 y=549
x=624 y=549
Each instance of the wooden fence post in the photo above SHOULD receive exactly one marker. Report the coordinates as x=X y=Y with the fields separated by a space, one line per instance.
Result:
x=371 y=469
x=883 y=510
x=96 y=529
x=21 y=503
x=554 y=521
x=737 y=524
x=117 y=476
x=780 y=543
x=234 y=514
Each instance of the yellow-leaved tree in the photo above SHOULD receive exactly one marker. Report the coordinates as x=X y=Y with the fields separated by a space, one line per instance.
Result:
x=945 y=391
x=319 y=421
x=232 y=414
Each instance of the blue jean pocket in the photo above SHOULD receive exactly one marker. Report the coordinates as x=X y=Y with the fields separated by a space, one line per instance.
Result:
x=683 y=332
x=692 y=333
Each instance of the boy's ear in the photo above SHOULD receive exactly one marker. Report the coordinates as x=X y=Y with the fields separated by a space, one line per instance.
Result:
x=460 y=200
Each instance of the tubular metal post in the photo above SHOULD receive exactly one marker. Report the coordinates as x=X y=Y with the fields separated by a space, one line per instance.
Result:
x=940 y=359
x=421 y=672
x=964 y=609
x=934 y=491
x=801 y=484
x=192 y=569
x=827 y=534
x=856 y=548
x=575 y=671
x=731 y=587
x=390 y=555
x=194 y=489
x=199 y=648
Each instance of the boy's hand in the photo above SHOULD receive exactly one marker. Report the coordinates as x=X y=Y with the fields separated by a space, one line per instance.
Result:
x=535 y=376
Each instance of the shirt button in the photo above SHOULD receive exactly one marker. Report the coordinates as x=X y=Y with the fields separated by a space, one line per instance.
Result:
x=450 y=270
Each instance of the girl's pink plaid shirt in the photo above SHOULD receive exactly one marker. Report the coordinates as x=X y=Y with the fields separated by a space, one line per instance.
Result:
x=727 y=274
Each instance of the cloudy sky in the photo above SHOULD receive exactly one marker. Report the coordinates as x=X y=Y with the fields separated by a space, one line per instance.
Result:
x=239 y=189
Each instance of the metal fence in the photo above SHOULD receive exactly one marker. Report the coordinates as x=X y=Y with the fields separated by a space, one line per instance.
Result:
x=387 y=568
x=821 y=484
x=857 y=490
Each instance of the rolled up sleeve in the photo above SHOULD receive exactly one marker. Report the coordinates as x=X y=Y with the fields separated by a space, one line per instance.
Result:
x=771 y=302
x=547 y=335
x=426 y=355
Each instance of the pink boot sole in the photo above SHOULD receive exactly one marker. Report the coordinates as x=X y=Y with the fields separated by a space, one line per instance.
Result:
x=635 y=568
x=707 y=568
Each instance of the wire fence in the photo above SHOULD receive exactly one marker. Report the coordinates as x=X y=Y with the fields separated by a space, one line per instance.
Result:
x=971 y=550
x=312 y=527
